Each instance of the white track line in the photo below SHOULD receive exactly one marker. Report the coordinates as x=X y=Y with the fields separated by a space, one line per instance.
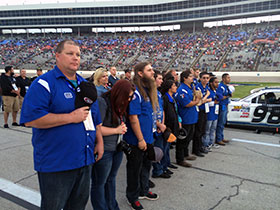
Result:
x=256 y=142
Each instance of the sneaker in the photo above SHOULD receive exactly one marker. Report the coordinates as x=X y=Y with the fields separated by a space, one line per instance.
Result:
x=135 y=205
x=167 y=171
x=215 y=146
x=221 y=143
x=225 y=141
x=172 y=166
x=15 y=124
x=150 y=196
x=6 y=126
x=203 y=150
x=209 y=149
x=151 y=184
x=163 y=175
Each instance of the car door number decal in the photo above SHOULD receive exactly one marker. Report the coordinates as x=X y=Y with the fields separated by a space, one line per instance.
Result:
x=261 y=112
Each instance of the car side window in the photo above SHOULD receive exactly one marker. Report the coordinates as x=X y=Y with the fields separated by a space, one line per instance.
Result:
x=254 y=100
x=270 y=98
x=261 y=99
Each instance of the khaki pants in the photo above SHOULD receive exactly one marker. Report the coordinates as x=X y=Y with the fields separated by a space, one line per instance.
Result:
x=11 y=103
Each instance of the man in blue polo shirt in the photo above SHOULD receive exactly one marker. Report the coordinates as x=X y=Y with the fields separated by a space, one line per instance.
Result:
x=223 y=109
x=65 y=139
x=188 y=112
x=140 y=134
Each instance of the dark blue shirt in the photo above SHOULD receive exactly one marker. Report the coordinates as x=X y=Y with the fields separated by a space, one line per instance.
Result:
x=183 y=97
x=224 y=91
x=63 y=147
x=112 y=80
x=144 y=110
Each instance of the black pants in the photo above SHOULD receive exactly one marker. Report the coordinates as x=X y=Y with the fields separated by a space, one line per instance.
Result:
x=200 y=127
x=138 y=168
x=183 y=144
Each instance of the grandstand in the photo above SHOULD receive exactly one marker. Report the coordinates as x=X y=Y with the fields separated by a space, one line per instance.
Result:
x=249 y=47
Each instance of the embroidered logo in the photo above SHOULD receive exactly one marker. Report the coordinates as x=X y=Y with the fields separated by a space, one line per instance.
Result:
x=68 y=95
x=88 y=100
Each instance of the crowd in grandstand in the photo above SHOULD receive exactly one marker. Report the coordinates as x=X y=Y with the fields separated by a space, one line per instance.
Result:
x=160 y=48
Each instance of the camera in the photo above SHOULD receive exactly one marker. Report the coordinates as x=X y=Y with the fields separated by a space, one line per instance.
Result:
x=125 y=147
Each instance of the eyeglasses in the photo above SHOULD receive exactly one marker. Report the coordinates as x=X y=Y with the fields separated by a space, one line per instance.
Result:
x=205 y=78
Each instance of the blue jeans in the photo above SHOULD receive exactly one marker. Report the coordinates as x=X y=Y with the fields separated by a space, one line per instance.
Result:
x=65 y=190
x=103 y=187
x=222 y=119
x=209 y=137
x=160 y=167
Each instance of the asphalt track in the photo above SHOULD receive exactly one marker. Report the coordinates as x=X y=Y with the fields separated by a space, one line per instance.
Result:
x=245 y=174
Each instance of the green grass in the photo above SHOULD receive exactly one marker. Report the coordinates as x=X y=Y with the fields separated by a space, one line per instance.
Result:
x=243 y=90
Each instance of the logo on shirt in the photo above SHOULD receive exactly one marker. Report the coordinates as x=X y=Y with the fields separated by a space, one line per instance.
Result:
x=88 y=100
x=182 y=95
x=68 y=95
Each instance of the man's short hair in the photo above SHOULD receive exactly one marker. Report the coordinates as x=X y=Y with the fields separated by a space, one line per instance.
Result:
x=8 y=68
x=61 y=44
x=39 y=69
x=225 y=75
x=203 y=73
x=127 y=70
x=184 y=74
x=157 y=72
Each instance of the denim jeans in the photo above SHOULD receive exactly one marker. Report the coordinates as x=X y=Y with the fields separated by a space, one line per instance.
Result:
x=65 y=190
x=103 y=186
x=222 y=119
x=160 y=167
x=209 y=137
x=138 y=168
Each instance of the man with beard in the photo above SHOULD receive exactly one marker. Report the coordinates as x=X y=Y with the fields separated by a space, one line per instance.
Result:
x=10 y=92
x=140 y=134
x=24 y=84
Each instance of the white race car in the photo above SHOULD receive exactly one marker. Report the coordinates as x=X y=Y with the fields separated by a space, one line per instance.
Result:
x=260 y=109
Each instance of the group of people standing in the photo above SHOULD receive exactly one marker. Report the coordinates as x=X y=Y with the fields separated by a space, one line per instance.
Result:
x=81 y=130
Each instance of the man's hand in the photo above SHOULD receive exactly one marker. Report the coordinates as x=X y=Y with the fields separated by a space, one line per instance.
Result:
x=161 y=127
x=142 y=145
x=79 y=115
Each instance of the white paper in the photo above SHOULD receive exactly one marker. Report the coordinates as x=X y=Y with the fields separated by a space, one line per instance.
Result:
x=89 y=123
x=197 y=109
x=206 y=107
x=217 y=109
x=15 y=87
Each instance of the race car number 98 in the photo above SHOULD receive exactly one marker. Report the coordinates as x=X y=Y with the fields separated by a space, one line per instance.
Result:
x=261 y=111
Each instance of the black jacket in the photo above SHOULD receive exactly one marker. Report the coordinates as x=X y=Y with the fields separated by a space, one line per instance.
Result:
x=6 y=85
x=23 y=83
x=171 y=116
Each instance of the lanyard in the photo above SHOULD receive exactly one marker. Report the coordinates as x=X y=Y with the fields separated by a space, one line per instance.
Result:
x=71 y=86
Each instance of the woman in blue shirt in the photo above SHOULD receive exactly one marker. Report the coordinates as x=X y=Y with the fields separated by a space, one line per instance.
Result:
x=101 y=81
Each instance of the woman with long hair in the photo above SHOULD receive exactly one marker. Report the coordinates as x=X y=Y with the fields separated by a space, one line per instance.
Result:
x=113 y=105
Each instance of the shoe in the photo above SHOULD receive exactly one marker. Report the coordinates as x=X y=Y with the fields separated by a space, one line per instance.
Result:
x=225 y=141
x=184 y=164
x=209 y=149
x=163 y=175
x=215 y=146
x=135 y=205
x=172 y=166
x=150 y=196
x=167 y=171
x=203 y=150
x=221 y=143
x=6 y=126
x=15 y=124
x=198 y=154
x=151 y=184
x=190 y=157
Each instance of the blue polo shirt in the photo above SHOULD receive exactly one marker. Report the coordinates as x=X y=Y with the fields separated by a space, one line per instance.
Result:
x=63 y=147
x=183 y=97
x=203 y=91
x=211 y=115
x=224 y=91
x=144 y=110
